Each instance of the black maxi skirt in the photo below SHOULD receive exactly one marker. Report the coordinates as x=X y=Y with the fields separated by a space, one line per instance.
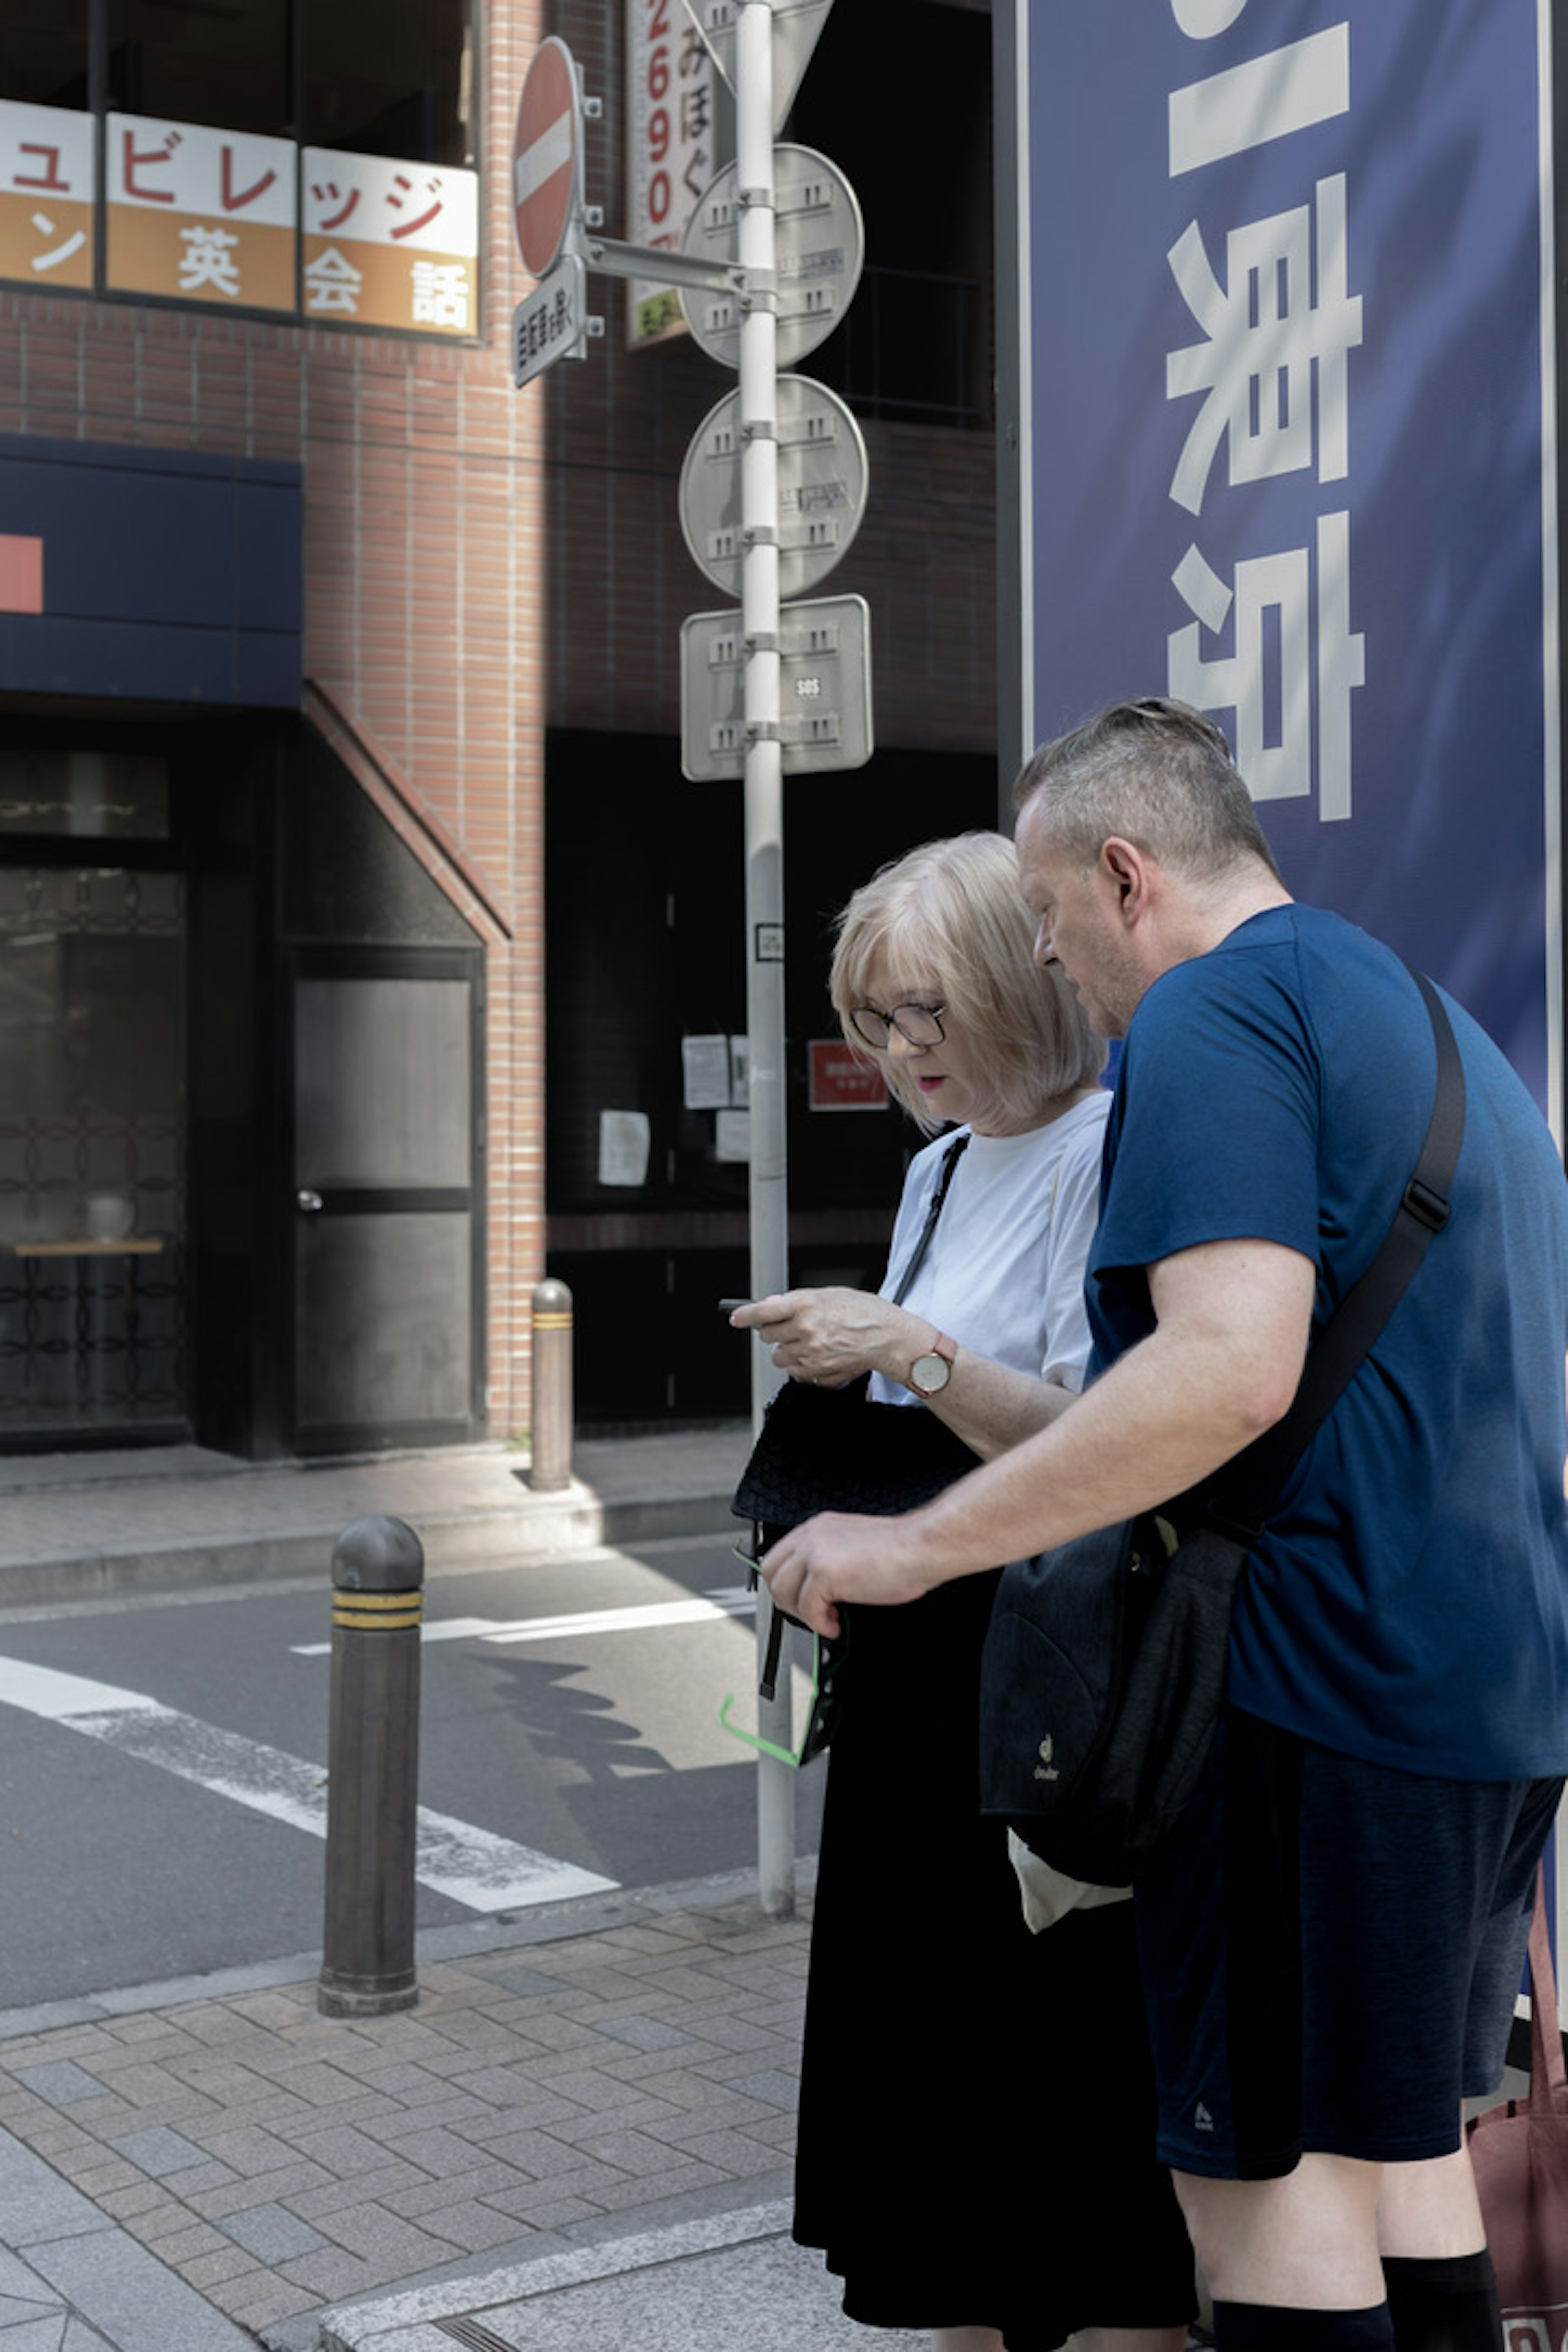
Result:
x=976 y=2140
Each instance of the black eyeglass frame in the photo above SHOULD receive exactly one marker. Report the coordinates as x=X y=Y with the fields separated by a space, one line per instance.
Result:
x=891 y=1021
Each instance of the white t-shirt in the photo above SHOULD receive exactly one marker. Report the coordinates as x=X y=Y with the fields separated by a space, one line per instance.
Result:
x=1004 y=1276
x=1004 y=1271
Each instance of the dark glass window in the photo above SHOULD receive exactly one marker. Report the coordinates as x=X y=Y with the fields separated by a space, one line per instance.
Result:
x=223 y=62
x=374 y=76
x=64 y=793
x=43 y=54
x=391 y=78
x=916 y=344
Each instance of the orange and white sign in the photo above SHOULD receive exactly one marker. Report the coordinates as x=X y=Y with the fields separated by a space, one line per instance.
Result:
x=389 y=244
x=46 y=195
x=202 y=215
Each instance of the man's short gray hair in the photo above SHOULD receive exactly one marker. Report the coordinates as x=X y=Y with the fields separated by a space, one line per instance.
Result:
x=1156 y=773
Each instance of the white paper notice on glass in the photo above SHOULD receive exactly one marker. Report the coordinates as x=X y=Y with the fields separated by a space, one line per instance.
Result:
x=705 y=1072
x=732 y=1135
x=625 y=1140
x=741 y=1073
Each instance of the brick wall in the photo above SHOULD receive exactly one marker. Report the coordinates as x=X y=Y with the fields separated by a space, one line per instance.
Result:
x=425 y=597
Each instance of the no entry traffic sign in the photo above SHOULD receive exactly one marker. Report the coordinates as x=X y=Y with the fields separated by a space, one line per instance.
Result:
x=546 y=155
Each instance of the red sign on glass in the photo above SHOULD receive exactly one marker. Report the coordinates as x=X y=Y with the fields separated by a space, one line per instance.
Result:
x=840 y=1080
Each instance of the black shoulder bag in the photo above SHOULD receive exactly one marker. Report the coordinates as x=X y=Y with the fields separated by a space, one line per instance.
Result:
x=835 y=1450
x=1104 y=1669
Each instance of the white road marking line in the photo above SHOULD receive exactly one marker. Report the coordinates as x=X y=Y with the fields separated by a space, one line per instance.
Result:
x=727 y=1600
x=472 y=1866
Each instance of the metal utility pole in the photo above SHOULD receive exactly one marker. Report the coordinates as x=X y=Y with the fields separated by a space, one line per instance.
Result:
x=763 y=788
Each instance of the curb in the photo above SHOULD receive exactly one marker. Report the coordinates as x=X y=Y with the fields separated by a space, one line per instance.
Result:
x=575 y=1520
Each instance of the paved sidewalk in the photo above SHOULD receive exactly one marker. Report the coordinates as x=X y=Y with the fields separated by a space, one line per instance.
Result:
x=580 y=2137
x=75 y=1524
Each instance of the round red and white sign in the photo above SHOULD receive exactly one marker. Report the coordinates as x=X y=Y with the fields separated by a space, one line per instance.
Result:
x=546 y=155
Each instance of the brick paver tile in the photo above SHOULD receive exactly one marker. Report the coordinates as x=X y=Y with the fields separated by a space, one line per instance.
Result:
x=677 y=2182
x=432 y=2197
x=122 y=2204
x=456 y=2111
x=259 y=2188
x=388 y=2180
x=637 y=2116
x=631 y=2152
x=208 y=2270
x=187 y=2245
x=336 y=2274
x=246 y=2147
x=259 y=2298
x=339 y=2149
x=401 y=2247
x=520 y=2100
x=551 y=2209
x=589 y=2180
x=736 y=2153
x=478 y=2228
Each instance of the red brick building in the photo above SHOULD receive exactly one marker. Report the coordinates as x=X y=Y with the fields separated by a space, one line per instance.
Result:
x=335 y=675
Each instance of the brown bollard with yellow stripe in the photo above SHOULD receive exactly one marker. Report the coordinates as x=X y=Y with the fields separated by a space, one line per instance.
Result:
x=550 y=1453
x=373 y=1789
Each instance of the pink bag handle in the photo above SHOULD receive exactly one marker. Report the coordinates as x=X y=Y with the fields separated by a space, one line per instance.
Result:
x=1547 y=2075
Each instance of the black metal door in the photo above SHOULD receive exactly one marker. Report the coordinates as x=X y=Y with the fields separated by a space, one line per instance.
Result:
x=386 y=1217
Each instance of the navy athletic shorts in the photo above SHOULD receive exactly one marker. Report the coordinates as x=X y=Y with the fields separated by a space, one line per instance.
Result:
x=1330 y=1952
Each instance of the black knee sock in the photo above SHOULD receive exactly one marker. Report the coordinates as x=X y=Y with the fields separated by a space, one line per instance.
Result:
x=1284 y=2327
x=1444 y=2305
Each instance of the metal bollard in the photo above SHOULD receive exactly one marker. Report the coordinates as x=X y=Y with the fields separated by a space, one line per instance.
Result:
x=550 y=1460
x=373 y=1789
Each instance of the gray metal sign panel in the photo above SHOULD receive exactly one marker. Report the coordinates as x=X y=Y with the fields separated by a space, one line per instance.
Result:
x=549 y=323
x=822 y=483
x=819 y=243
x=797 y=24
x=824 y=688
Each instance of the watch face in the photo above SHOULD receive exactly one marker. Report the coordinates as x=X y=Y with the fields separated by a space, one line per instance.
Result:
x=928 y=1374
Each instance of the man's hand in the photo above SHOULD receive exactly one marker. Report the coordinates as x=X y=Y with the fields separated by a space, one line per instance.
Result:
x=836 y=1558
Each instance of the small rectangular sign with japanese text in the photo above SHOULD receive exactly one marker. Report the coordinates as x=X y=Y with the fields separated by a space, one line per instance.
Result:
x=206 y=216
x=47 y=174
x=388 y=244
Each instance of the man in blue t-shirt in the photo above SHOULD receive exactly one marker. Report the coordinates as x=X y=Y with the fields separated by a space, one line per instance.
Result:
x=1333 y=1942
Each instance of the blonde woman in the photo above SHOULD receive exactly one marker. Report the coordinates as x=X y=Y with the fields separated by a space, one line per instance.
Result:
x=975 y=2151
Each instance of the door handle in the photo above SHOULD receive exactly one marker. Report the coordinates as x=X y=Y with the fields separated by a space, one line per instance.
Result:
x=307 y=1202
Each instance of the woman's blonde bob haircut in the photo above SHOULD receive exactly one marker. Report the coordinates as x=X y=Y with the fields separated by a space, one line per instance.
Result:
x=951 y=914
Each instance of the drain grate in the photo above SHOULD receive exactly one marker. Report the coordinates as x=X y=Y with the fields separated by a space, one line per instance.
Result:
x=475 y=2334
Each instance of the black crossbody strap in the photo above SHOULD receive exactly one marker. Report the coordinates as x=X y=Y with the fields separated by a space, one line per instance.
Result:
x=1247 y=1490
x=954 y=1153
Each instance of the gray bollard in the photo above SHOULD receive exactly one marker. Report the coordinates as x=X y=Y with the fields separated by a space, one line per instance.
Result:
x=373 y=1789
x=550 y=1458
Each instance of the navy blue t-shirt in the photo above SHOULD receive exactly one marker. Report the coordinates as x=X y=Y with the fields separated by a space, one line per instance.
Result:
x=1408 y=1601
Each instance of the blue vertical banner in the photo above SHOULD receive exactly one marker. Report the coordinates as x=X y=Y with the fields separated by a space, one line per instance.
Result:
x=1285 y=355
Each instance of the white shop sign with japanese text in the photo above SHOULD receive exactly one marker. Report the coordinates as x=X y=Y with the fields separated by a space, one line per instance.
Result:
x=671 y=157
x=1279 y=271
x=388 y=244
x=204 y=216
x=47 y=175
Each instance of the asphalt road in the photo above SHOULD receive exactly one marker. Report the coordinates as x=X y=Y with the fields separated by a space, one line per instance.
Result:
x=163 y=1759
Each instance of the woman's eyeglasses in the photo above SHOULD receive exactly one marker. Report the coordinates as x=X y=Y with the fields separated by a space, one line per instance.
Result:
x=920 y=1024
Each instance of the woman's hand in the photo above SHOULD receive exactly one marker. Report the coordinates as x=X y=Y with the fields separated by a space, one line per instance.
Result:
x=830 y=1337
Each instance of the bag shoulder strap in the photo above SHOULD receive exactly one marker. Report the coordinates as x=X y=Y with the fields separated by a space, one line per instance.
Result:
x=1247 y=1490
x=951 y=1158
x=1548 y=2073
